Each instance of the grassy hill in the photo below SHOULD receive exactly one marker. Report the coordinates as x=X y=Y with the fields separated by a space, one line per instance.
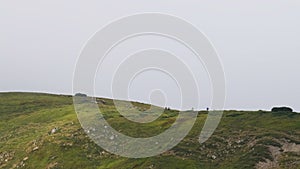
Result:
x=242 y=140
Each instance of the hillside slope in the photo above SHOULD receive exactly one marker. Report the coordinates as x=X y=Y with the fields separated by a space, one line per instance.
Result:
x=42 y=131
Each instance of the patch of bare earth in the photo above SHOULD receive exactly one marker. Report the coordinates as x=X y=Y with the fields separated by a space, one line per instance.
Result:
x=276 y=153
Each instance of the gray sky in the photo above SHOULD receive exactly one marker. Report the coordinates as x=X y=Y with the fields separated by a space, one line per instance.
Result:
x=257 y=41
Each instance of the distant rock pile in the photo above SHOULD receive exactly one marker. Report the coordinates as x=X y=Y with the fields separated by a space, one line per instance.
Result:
x=282 y=109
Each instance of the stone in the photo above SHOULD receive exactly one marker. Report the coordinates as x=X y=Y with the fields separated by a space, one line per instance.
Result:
x=213 y=157
x=35 y=148
x=54 y=130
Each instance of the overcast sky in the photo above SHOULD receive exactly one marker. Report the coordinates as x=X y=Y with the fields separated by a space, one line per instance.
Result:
x=258 y=44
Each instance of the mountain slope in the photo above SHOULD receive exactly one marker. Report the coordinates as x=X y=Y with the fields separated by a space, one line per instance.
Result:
x=42 y=131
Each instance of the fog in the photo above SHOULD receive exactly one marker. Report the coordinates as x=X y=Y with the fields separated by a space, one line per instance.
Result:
x=257 y=42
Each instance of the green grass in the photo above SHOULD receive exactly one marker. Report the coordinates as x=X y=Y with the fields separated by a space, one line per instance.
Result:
x=241 y=140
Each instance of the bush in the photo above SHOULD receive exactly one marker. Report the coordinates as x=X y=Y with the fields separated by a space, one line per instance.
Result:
x=282 y=109
x=80 y=95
